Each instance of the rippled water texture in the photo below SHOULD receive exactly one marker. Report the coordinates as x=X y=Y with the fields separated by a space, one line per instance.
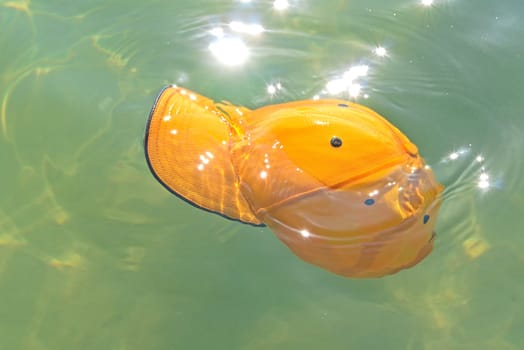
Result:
x=95 y=254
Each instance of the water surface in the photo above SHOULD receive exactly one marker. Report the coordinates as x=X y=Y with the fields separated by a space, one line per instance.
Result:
x=95 y=254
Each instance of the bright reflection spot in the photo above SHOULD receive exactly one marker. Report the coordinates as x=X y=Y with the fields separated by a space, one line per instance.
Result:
x=173 y=132
x=280 y=5
x=479 y=159
x=426 y=2
x=230 y=51
x=381 y=51
x=182 y=78
x=336 y=86
x=273 y=88
x=241 y=27
x=192 y=97
x=316 y=97
x=356 y=72
x=373 y=193
x=263 y=174
x=204 y=159
x=456 y=154
x=217 y=32
x=166 y=118
x=347 y=82
x=453 y=156
x=483 y=181
x=305 y=233
x=354 y=90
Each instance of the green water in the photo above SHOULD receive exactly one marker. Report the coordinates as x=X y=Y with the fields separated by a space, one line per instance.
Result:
x=95 y=254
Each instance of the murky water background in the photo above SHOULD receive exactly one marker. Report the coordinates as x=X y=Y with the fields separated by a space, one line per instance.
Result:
x=95 y=254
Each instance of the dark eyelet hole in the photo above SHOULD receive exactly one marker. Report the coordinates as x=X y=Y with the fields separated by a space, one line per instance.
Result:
x=336 y=141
